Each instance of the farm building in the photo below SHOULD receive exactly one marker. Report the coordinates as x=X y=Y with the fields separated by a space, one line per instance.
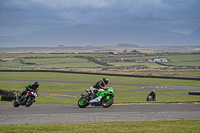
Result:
x=158 y=59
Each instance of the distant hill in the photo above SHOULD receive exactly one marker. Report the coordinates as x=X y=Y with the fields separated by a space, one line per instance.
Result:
x=127 y=45
x=90 y=35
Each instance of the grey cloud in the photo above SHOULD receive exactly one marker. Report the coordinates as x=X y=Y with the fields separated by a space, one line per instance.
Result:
x=47 y=12
x=154 y=9
x=13 y=5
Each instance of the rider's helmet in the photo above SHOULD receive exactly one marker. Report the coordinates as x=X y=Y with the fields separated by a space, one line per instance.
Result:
x=36 y=84
x=105 y=81
x=152 y=91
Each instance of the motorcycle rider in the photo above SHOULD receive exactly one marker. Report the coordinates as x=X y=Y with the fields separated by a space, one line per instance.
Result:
x=153 y=95
x=32 y=88
x=99 y=85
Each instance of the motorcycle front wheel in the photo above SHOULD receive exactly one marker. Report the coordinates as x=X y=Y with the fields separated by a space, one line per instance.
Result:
x=82 y=103
x=16 y=104
x=29 y=101
x=107 y=102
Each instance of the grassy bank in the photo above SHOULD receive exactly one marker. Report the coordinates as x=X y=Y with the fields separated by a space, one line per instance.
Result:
x=95 y=78
x=175 y=126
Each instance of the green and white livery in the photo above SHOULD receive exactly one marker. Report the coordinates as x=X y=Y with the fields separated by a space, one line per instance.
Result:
x=104 y=98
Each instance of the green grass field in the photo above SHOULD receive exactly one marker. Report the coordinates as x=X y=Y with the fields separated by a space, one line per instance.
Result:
x=52 y=63
x=184 y=73
x=182 y=63
x=95 y=78
x=150 y=65
x=174 y=126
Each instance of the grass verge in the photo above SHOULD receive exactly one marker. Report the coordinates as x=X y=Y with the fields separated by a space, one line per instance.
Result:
x=175 y=126
x=95 y=78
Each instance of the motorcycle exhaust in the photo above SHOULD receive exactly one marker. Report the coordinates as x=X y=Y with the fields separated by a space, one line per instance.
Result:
x=84 y=98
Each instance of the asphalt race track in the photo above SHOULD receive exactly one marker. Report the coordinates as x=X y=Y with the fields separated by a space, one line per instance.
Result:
x=61 y=113
x=47 y=114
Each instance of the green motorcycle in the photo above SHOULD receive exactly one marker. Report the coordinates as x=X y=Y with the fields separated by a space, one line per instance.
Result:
x=104 y=98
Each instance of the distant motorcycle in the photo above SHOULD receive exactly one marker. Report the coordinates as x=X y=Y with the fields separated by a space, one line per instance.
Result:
x=25 y=100
x=150 y=98
x=104 y=98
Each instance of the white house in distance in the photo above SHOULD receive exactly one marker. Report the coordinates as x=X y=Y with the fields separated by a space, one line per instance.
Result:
x=158 y=59
x=196 y=49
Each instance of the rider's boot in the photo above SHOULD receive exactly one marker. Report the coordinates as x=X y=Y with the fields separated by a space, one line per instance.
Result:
x=26 y=95
x=21 y=100
x=17 y=98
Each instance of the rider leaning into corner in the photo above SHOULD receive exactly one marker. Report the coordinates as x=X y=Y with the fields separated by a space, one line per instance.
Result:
x=32 y=88
x=153 y=94
x=99 y=85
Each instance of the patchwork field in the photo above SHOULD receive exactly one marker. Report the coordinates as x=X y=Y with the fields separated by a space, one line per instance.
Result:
x=180 y=65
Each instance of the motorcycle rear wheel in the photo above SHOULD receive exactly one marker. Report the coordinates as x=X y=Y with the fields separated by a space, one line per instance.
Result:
x=82 y=103
x=29 y=101
x=107 y=102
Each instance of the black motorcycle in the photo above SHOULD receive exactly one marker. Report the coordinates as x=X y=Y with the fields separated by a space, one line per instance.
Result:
x=150 y=98
x=26 y=100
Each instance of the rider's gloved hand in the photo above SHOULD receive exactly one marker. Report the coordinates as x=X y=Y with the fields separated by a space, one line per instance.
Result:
x=105 y=88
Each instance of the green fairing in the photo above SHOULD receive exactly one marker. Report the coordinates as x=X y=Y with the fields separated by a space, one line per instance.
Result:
x=108 y=92
x=106 y=99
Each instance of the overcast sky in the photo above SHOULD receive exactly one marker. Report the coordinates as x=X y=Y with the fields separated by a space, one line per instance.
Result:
x=23 y=16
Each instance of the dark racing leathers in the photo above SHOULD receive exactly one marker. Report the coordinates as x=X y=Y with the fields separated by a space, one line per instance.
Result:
x=96 y=87
x=99 y=85
x=30 y=88
x=153 y=94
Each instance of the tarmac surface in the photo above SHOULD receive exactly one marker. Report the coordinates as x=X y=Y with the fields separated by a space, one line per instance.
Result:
x=50 y=114
x=61 y=113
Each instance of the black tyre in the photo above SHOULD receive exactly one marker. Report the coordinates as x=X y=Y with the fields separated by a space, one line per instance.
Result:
x=16 y=104
x=82 y=103
x=29 y=101
x=107 y=102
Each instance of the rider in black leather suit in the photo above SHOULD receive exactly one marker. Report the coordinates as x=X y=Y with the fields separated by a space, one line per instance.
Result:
x=32 y=88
